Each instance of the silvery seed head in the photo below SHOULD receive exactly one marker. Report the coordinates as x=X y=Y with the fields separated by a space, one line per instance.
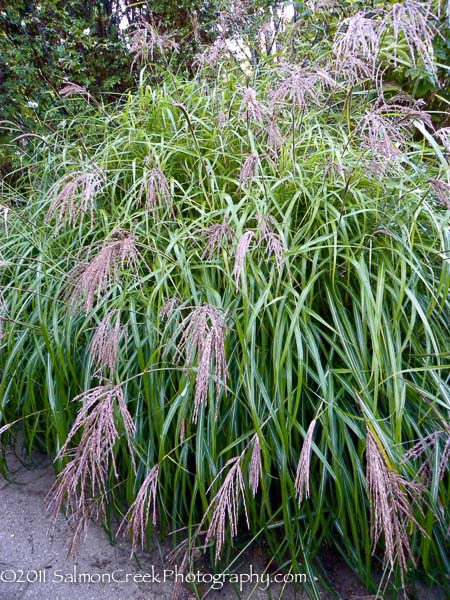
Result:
x=357 y=45
x=75 y=195
x=241 y=252
x=413 y=23
x=442 y=191
x=303 y=467
x=105 y=342
x=392 y=499
x=251 y=109
x=225 y=505
x=249 y=169
x=146 y=39
x=217 y=237
x=202 y=340
x=157 y=192
x=92 y=279
x=83 y=483
x=255 y=465
x=143 y=508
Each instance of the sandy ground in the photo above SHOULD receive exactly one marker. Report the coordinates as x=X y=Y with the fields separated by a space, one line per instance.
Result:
x=34 y=563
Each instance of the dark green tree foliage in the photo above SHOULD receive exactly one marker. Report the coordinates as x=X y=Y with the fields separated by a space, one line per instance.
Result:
x=45 y=43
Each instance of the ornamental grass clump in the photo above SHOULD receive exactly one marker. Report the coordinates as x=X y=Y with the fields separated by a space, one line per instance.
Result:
x=255 y=357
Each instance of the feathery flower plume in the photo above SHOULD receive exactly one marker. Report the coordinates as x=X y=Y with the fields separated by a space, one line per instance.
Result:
x=137 y=518
x=4 y=211
x=422 y=446
x=357 y=45
x=97 y=276
x=226 y=504
x=391 y=497
x=273 y=241
x=75 y=196
x=353 y=71
x=412 y=22
x=249 y=169
x=255 y=465
x=445 y=459
x=169 y=307
x=146 y=39
x=156 y=189
x=213 y=54
x=381 y=135
x=443 y=135
x=105 y=342
x=73 y=89
x=300 y=85
x=442 y=191
x=96 y=419
x=241 y=253
x=251 y=108
x=428 y=442
x=275 y=138
x=384 y=129
x=334 y=168
x=82 y=484
x=406 y=114
x=223 y=118
x=203 y=338
x=302 y=476
x=325 y=6
x=182 y=430
x=218 y=238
